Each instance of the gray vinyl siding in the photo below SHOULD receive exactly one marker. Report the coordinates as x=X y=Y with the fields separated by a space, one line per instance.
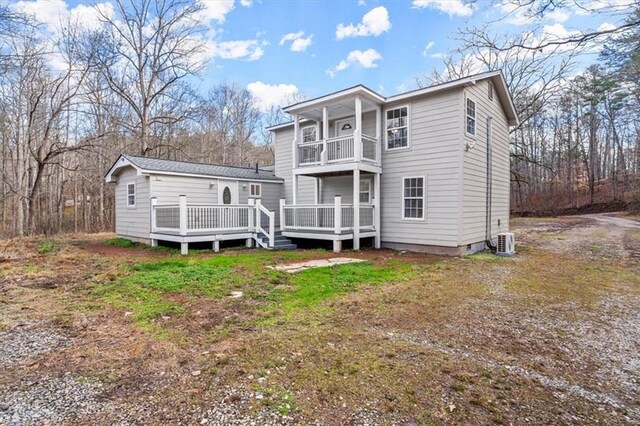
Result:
x=340 y=185
x=474 y=180
x=167 y=189
x=434 y=153
x=284 y=169
x=132 y=221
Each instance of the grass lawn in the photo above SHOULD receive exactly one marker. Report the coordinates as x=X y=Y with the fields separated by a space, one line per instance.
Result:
x=400 y=338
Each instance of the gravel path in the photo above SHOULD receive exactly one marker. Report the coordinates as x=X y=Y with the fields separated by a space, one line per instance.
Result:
x=20 y=344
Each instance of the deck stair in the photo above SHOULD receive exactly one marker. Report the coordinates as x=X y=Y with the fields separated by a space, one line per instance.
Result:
x=280 y=242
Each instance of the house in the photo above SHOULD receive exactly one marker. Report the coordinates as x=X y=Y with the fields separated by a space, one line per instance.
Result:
x=426 y=170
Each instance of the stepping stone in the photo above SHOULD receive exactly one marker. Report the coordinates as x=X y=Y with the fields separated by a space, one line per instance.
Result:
x=320 y=263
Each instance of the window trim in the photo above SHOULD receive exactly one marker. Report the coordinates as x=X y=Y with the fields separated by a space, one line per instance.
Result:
x=369 y=191
x=384 y=125
x=491 y=90
x=475 y=117
x=314 y=126
x=424 y=199
x=252 y=192
x=135 y=195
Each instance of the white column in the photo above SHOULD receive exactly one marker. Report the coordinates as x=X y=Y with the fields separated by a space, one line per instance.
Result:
x=182 y=202
x=282 y=204
x=252 y=214
x=216 y=246
x=356 y=209
x=337 y=246
x=337 y=214
x=325 y=134
x=295 y=189
x=376 y=208
x=184 y=248
x=357 y=133
x=296 y=138
x=154 y=203
x=378 y=135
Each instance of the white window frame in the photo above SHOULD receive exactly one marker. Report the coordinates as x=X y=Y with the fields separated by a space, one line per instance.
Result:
x=424 y=199
x=384 y=122
x=252 y=190
x=491 y=90
x=129 y=195
x=467 y=116
x=312 y=126
x=368 y=191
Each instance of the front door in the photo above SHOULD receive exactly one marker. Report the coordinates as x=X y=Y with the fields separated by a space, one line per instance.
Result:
x=345 y=126
x=227 y=192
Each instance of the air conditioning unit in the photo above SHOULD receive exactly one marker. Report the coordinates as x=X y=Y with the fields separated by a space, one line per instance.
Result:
x=506 y=244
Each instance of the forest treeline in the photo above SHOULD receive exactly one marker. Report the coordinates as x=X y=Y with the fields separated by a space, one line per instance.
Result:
x=72 y=101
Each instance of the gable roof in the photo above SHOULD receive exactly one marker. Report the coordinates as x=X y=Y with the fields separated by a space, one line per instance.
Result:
x=148 y=165
x=497 y=78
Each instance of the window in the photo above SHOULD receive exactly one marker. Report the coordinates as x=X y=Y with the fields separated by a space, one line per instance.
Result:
x=309 y=134
x=365 y=191
x=413 y=198
x=397 y=128
x=255 y=190
x=471 y=117
x=226 y=195
x=490 y=91
x=131 y=195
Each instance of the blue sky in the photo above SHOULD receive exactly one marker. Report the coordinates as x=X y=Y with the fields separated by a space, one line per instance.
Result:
x=275 y=48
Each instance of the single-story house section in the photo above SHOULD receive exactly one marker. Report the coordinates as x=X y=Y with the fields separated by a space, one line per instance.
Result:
x=164 y=200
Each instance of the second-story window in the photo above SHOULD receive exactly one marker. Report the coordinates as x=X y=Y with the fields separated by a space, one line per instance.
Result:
x=309 y=134
x=397 y=128
x=471 y=117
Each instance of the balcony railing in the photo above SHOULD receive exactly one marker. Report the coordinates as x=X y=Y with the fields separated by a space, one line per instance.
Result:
x=335 y=217
x=337 y=149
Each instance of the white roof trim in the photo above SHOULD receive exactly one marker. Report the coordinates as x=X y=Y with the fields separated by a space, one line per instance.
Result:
x=336 y=95
x=124 y=162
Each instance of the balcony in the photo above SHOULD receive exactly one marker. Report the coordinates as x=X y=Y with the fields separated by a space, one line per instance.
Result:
x=336 y=150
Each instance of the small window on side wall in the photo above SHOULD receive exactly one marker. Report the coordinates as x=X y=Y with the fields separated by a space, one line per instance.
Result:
x=365 y=191
x=131 y=195
x=413 y=198
x=471 y=117
x=490 y=91
x=309 y=134
x=397 y=128
x=255 y=190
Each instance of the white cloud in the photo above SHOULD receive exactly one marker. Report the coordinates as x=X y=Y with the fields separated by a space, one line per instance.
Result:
x=559 y=15
x=374 y=23
x=451 y=7
x=298 y=42
x=362 y=3
x=55 y=13
x=236 y=49
x=517 y=15
x=439 y=55
x=556 y=32
x=272 y=95
x=427 y=48
x=366 y=59
x=215 y=10
x=246 y=3
x=606 y=26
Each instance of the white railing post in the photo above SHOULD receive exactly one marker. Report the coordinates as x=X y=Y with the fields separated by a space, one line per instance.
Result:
x=154 y=223
x=258 y=222
x=252 y=215
x=379 y=135
x=183 y=214
x=337 y=214
x=272 y=230
x=357 y=133
x=282 y=221
x=325 y=135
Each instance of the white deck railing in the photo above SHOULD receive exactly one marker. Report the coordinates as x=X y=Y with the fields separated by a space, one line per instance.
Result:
x=335 y=217
x=202 y=219
x=337 y=149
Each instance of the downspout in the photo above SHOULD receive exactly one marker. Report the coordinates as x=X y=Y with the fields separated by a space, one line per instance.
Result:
x=489 y=186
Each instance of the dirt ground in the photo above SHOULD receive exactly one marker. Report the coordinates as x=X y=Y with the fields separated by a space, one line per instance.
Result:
x=550 y=336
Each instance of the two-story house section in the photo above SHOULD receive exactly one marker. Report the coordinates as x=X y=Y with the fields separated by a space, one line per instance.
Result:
x=426 y=170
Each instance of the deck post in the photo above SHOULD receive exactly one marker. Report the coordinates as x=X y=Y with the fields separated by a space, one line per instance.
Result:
x=184 y=248
x=154 y=203
x=357 y=132
x=296 y=139
x=337 y=214
x=256 y=221
x=295 y=189
x=378 y=135
x=249 y=242
x=282 y=204
x=252 y=214
x=356 y=209
x=182 y=202
x=376 y=209
x=337 y=246
x=216 y=246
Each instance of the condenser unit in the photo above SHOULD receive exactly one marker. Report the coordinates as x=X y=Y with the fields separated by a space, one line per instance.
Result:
x=506 y=244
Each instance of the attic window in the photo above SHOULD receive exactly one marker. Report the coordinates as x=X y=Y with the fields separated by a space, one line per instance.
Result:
x=471 y=117
x=490 y=91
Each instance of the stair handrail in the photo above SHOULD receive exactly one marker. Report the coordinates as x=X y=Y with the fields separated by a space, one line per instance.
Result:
x=270 y=233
